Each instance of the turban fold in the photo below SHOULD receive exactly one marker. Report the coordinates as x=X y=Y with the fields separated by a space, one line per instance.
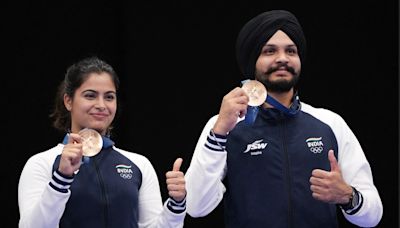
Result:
x=256 y=32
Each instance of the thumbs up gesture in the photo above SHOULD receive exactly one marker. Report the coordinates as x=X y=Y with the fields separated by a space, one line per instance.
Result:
x=329 y=186
x=176 y=182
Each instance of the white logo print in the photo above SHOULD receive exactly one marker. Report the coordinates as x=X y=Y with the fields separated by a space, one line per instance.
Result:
x=256 y=147
x=124 y=171
x=315 y=144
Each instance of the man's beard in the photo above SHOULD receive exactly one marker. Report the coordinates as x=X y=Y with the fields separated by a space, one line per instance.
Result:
x=281 y=85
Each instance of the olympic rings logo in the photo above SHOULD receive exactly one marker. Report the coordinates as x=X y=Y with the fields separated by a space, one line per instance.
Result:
x=126 y=175
x=316 y=149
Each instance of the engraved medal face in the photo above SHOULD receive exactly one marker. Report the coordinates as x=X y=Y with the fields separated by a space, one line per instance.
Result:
x=256 y=92
x=91 y=141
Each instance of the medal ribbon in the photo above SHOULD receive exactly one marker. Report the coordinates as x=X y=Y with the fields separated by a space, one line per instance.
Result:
x=252 y=111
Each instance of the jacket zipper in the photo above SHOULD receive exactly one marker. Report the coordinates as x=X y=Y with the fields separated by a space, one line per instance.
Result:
x=104 y=193
x=287 y=172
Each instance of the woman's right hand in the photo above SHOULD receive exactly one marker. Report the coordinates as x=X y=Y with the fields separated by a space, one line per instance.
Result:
x=71 y=156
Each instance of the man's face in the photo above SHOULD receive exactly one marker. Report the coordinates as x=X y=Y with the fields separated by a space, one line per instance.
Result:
x=278 y=66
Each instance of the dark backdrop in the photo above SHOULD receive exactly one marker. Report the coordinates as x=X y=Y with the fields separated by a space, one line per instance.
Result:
x=176 y=60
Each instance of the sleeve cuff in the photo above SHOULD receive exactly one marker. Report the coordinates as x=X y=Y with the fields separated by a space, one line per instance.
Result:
x=176 y=207
x=215 y=141
x=60 y=182
x=357 y=207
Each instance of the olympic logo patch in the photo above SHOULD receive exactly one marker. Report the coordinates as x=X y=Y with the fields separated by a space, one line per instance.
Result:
x=124 y=171
x=315 y=145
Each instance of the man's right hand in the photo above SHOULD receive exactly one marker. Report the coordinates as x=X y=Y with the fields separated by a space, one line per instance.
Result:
x=233 y=106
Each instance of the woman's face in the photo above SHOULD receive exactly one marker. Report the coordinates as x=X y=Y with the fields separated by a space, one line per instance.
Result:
x=94 y=103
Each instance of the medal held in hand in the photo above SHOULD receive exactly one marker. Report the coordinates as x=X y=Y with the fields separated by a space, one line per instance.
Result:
x=257 y=94
x=91 y=142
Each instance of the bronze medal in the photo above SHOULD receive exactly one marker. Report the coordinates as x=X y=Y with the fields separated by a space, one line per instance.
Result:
x=256 y=92
x=91 y=142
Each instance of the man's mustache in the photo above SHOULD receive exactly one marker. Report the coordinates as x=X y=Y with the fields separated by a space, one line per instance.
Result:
x=281 y=66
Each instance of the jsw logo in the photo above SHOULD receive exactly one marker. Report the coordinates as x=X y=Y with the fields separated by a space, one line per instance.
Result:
x=256 y=145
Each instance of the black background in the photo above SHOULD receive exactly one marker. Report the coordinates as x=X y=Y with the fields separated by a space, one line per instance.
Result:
x=176 y=60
